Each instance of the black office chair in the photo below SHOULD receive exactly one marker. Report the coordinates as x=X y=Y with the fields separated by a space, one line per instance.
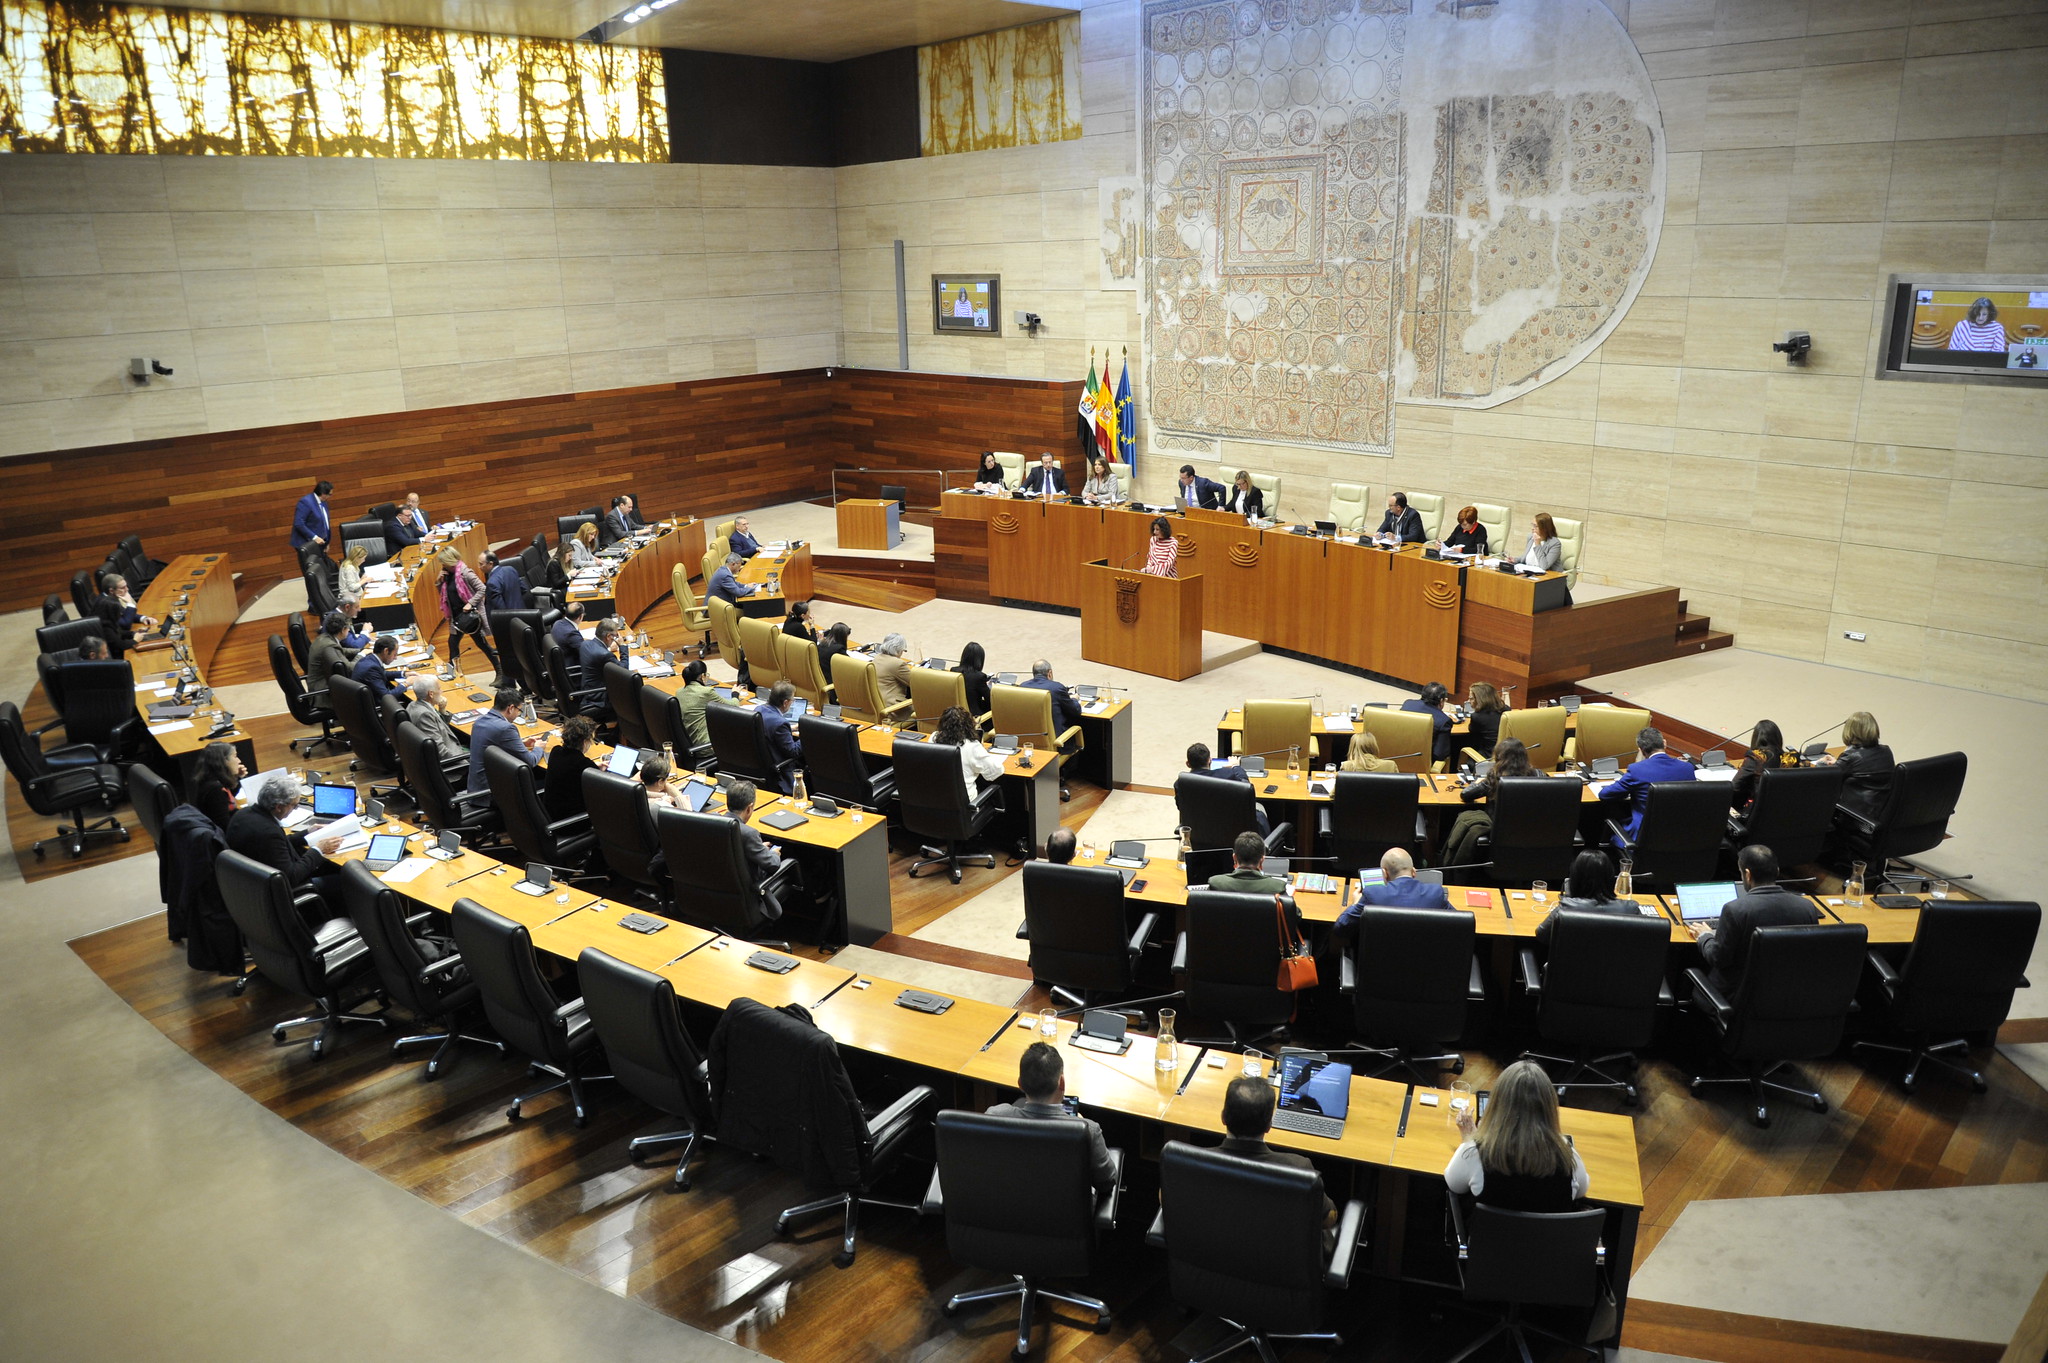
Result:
x=714 y=886
x=68 y=782
x=524 y=638
x=739 y=742
x=50 y=674
x=147 y=566
x=638 y=1020
x=369 y=534
x=329 y=965
x=512 y=667
x=1244 y=1242
x=1957 y=983
x=936 y=805
x=194 y=912
x=662 y=713
x=68 y=634
x=533 y=564
x=1792 y=813
x=85 y=593
x=567 y=526
x=428 y=982
x=1411 y=975
x=439 y=805
x=1214 y=810
x=99 y=710
x=899 y=495
x=153 y=798
x=1600 y=987
x=1798 y=987
x=1528 y=1259
x=781 y=1091
x=563 y=845
x=53 y=610
x=1229 y=958
x=835 y=766
x=1535 y=831
x=1914 y=817
x=622 y=686
x=320 y=576
x=571 y=697
x=1080 y=934
x=556 y=1037
x=1017 y=1198
x=1368 y=813
x=301 y=642
x=390 y=712
x=302 y=702
x=374 y=754
x=1679 y=839
x=624 y=824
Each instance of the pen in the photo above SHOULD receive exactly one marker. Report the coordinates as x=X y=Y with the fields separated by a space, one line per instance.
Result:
x=1188 y=1078
x=1015 y=1013
x=699 y=947
x=578 y=909
x=835 y=989
x=1407 y=1100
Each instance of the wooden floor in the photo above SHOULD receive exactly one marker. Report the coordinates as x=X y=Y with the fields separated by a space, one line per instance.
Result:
x=875 y=593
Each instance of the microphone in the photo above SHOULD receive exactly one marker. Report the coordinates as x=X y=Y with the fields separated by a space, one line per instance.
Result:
x=1128 y=557
x=1128 y=1006
x=1725 y=738
x=1830 y=729
x=1273 y=858
x=1406 y=755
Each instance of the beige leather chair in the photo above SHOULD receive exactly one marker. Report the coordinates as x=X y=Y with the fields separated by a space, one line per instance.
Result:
x=723 y=530
x=1026 y=712
x=712 y=559
x=757 y=641
x=1429 y=506
x=1495 y=519
x=1271 y=727
x=1406 y=737
x=1606 y=731
x=725 y=628
x=1013 y=469
x=798 y=659
x=1268 y=485
x=1350 y=503
x=860 y=692
x=696 y=619
x=932 y=693
x=1543 y=726
x=1571 y=540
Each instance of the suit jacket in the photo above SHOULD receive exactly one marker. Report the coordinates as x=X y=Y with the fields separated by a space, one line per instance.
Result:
x=194 y=910
x=1038 y=476
x=401 y=530
x=1402 y=892
x=1482 y=732
x=892 y=674
x=1251 y=502
x=505 y=589
x=259 y=837
x=977 y=690
x=782 y=744
x=1633 y=785
x=780 y=1090
x=561 y=788
x=1253 y=1148
x=801 y=628
x=1870 y=777
x=1101 y=1168
x=371 y=672
x=743 y=544
x=1441 y=744
x=591 y=656
x=1407 y=526
x=494 y=731
x=565 y=633
x=617 y=525
x=429 y=720
x=1202 y=492
x=764 y=860
x=215 y=801
x=1242 y=881
x=1727 y=950
x=1549 y=553
x=348 y=580
x=324 y=652
x=1066 y=711
x=309 y=520
x=728 y=588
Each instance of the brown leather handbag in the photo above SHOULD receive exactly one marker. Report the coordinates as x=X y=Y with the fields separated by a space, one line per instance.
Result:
x=1297 y=966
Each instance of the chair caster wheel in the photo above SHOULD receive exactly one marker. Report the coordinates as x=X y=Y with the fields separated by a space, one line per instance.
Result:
x=277 y=1038
x=1909 y=1083
x=1694 y=1088
x=319 y=1050
x=1820 y=1105
x=39 y=851
x=951 y=1308
x=1458 y=1068
x=512 y=1114
x=1021 y=1352
x=1977 y=1084
x=1630 y=1096
x=842 y=1260
x=1761 y=1117
x=956 y=877
x=1103 y=1322
x=582 y=1119
x=124 y=834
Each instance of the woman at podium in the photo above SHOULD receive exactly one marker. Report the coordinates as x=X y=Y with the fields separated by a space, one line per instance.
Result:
x=1162 y=556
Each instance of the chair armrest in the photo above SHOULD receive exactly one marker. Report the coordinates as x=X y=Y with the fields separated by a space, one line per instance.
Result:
x=1475 y=984
x=56 y=723
x=1863 y=822
x=1072 y=733
x=982 y=721
x=1347 y=974
x=934 y=1203
x=1281 y=836
x=1322 y=823
x=1110 y=1201
x=569 y=1012
x=470 y=797
x=1887 y=974
x=440 y=967
x=785 y=871
x=349 y=937
x=899 y=1111
x=1475 y=755
x=1180 y=954
x=1456 y=1203
x=1702 y=990
x=425 y=915
x=1532 y=978
x=1665 y=998
x=1144 y=933
x=899 y=707
x=1626 y=844
x=1024 y=931
x=1338 y=1274
x=1155 y=1234
x=569 y=827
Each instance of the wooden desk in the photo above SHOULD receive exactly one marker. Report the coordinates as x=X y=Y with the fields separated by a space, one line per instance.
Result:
x=869 y=523
x=791 y=566
x=870 y=1020
x=202 y=586
x=1031 y=793
x=646 y=577
x=1142 y=623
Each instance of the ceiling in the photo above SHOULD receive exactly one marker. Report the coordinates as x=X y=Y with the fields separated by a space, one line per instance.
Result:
x=804 y=30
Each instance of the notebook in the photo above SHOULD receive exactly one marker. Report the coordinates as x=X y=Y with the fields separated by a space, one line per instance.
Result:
x=1315 y=1093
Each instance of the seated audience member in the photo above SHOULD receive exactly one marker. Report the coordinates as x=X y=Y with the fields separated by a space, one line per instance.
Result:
x=92 y=649
x=742 y=541
x=1198 y=762
x=411 y=525
x=499 y=729
x=258 y=832
x=120 y=617
x=696 y=696
x=798 y=621
x=328 y=654
x=972 y=661
x=1868 y=763
x=355 y=635
x=1482 y=730
x=1517 y=1159
x=215 y=780
x=1468 y=535
x=763 y=859
x=654 y=783
x=833 y=642
x=1042 y=1079
x=429 y=714
x=977 y=763
x=562 y=779
x=988 y=476
x=1588 y=888
x=1364 y=755
x=1461 y=844
x=1763 y=903
x=781 y=735
x=1398 y=888
x=892 y=670
x=349 y=581
x=1248 y=858
x=1431 y=703
x=1247 y=1117
x=376 y=670
x=1066 y=713
x=593 y=653
x=1060 y=847
x=561 y=567
x=582 y=547
x=568 y=630
x=620 y=522
x=1402 y=523
x=727 y=587
x=1651 y=766
x=1766 y=753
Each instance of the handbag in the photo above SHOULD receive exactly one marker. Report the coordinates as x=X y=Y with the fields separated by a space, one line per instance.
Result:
x=1297 y=967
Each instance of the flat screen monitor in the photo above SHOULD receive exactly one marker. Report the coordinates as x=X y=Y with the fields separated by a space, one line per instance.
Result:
x=967 y=304
x=1961 y=328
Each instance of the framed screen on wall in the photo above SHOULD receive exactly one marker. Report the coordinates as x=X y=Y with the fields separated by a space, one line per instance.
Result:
x=968 y=304
x=1966 y=329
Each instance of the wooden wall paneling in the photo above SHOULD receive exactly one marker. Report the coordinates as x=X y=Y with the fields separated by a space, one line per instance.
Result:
x=1072 y=537
x=891 y=420
x=1356 y=601
x=960 y=550
x=1604 y=636
x=1494 y=645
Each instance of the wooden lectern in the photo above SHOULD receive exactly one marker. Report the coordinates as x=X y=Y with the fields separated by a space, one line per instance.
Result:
x=1142 y=623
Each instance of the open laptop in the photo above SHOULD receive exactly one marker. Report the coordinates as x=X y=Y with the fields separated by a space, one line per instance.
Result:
x=798 y=708
x=1703 y=903
x=695 y=795
x=1315 y=1094
x=623 y=761
x=331 y=803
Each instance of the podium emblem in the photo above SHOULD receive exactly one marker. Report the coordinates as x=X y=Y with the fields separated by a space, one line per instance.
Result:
x=1244 y=555
x=1127 y=599
x=1185 y=545
x=1442 y=593
x=1003 y=523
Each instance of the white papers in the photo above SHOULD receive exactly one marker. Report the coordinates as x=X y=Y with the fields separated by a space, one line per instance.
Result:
x=587 y=631
x=171 y=727
x=1715 y=773
x=245 y=794
x=151 y=685
x=300 y=814
x=383 y=572
x=648 y=667
x=412 y=868
x=348 y=828
x=166 y=692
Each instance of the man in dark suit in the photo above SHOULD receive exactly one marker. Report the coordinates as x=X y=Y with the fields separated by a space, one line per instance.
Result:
x=781 y=732
x=1248 y=857
x=499 y=729
x=257 y=831
x=410 y=525
x=727 y=587
x=1045 y=478
x=1400 y=522
x=742 y=541
x=593 y=653
x=1248 y=1116
x=374 y=670
x=504 y=588
x=1198 y=762
x=764 y=860
x=1198 y=491
x=1042 y=1080
x=1399 y=888
x=1652 y=765
x=1431 y=703
x=1066 y=712
x=620 y=521
x=568 y=629
x=309 y=518
x=1763 y=903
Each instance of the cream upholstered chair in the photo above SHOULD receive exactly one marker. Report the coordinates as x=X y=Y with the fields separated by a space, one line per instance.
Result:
x=932 y=693
x=1429 y=506
x=1541 y=731
x=1013 y=469
x=712 y=559
x=1606 y=731
x=1271 y=727
x=1495 y=519
x=723 y=530
x=1407 y=738
x=1350 y=504
x=696 y=619
x=1571 y=542
x=1268 y=485
x=1026 y=711
x=757 y=641
x=860 y=691
x=798 y=659
x=725 y=628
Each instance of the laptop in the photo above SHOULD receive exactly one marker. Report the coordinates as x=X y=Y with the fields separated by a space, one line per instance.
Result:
x=386 y=851
x=798 y=708
x=1315 y=1093
x=695 y=795
x=332 y=802
x=1703 y=903
x=623 y=761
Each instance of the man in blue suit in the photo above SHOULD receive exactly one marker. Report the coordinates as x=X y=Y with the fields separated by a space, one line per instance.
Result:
x=505 y=588
x=568 y=628
x=1431 y=703
x=1652 y=765
x=410 y=525
x=374 y=670
x=1398 y=888
x=782 y=745
x=1066 y=712
x=742 y=541
x=499 y=729
x=1196 y=490
x=1401 y=522
x=309 y=519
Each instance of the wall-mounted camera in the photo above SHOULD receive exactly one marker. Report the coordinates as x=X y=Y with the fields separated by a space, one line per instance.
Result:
x=140 y=369
x=1794 y=347
x=1030 y=321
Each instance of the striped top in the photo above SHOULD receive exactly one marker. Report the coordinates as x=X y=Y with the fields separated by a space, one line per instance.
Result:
x=1163 y=556
x=1969 y=335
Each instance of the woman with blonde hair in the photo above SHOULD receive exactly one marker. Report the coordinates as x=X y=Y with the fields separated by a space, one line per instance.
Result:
x=1518 y=1160
x=1245 y=498
x=583 y=547
x=351 y=577
x=462 y=596
x=1869 y=764
x=1365 y=754
x=1483 y=728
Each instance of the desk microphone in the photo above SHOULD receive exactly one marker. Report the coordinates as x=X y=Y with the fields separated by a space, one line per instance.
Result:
x=1140 y=553
x=1830 y=729
x=1406 y=755
x=1725 y=738
x=1130 y=1006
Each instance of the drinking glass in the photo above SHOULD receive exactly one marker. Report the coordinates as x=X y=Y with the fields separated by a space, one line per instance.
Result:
x=1166 y=1051
x=1539 y=891
x=1294 y=759
x=1029 y=747
x=1461 y=1101
x=1624 y=884
x=1852 y=888
x=1048 y=1023
x=1253 y=1064
x=1088 y=850
x=1937 y=889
